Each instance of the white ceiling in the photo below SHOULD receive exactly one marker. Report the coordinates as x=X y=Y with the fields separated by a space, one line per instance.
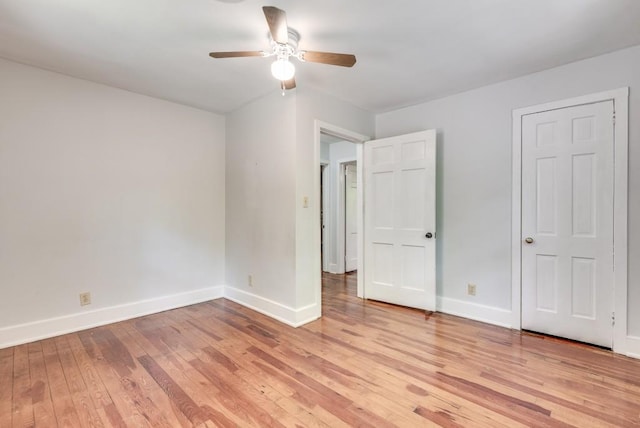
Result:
x=408 y=51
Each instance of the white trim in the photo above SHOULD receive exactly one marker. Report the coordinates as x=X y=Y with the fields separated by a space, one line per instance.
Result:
x=44 y=329
x=327 y=128
x=516 y=222
x=620 y=99
x=620 y=214
x=270 y=308
x=462 y=308
x=325 y=237
x=633 y=346
x=360 y=177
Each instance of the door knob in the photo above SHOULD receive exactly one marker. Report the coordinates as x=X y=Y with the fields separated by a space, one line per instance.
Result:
x=529 y=240
x=429 y=235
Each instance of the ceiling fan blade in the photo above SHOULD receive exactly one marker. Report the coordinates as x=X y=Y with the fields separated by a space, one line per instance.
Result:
x=237 y=54
x=343 y=60
x=277 y=20
x=289 y=84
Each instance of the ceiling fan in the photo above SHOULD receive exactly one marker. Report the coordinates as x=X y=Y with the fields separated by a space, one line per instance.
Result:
x=284 y=46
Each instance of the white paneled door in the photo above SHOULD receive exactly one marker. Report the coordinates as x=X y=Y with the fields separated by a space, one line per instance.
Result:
x=567 y=222
x=399 y=225
x=351 y=217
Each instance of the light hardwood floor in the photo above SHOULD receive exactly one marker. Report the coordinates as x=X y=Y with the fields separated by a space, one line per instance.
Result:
x=363 y=364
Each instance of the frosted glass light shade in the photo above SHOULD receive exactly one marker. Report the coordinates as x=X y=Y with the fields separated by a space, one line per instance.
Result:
x=283 y=69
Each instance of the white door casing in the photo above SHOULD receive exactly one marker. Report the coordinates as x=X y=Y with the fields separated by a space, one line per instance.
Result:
x=351 y=223
x=399 y=210
x=567 y=222
x=339 y=212
x=324 y=230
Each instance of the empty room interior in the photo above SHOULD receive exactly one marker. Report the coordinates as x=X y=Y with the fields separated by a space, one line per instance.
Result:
x=319 y=214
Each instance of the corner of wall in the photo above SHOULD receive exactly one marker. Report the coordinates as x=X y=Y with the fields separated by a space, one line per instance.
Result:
x=294 y=317
x=633 y=347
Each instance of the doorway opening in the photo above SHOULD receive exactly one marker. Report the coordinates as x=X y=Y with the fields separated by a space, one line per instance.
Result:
x=397 y=258
x=328 y=132
x=339 y=183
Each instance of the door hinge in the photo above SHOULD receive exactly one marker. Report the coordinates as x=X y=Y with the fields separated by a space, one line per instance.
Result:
x=614 y=117
x=613 y=318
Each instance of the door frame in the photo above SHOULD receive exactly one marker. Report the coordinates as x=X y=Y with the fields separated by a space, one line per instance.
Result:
x=359 y=139
x=341 y=214
x=620 y=98
x=324 y=197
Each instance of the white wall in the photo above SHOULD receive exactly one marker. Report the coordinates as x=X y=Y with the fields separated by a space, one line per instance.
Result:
x=474 y=171
x=260 y=204
x=340 y=151
x=270 y=234
x=105 y=191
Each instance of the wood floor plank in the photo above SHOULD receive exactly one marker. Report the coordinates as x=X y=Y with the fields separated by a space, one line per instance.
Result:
x=394 y=385
x=255 y=385
x=97 y=391
x=22 y=403
x=142 y=390
x=43 y=412
x=347 y=382
x=6 y=386
x=164 y=372
x=280 y=392
x=63 y=406
x=85 y=408
x=183 y=374
x=362 y=364
x=130 y=402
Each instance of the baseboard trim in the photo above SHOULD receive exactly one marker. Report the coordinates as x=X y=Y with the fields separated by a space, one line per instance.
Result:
x=488 y=314
x=44 y=329
x=285 y=314
x=633 y=347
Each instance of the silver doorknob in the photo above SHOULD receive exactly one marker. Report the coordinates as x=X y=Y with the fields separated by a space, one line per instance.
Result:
x=529 y=240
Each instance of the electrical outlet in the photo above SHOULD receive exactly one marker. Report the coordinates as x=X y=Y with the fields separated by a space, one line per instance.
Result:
x=471 y=289
x=85 y=299
x=250 y=280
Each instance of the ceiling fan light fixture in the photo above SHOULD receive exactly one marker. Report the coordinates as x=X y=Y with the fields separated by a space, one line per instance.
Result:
x=282 y=69
x=284 y=46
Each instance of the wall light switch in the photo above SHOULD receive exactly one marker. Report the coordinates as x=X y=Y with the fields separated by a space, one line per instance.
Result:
x=305 y=202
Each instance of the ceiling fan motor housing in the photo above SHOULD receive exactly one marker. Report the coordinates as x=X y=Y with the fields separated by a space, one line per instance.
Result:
x=284 y=51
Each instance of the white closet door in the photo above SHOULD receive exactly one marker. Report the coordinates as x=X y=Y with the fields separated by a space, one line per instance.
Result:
x=567 y=222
